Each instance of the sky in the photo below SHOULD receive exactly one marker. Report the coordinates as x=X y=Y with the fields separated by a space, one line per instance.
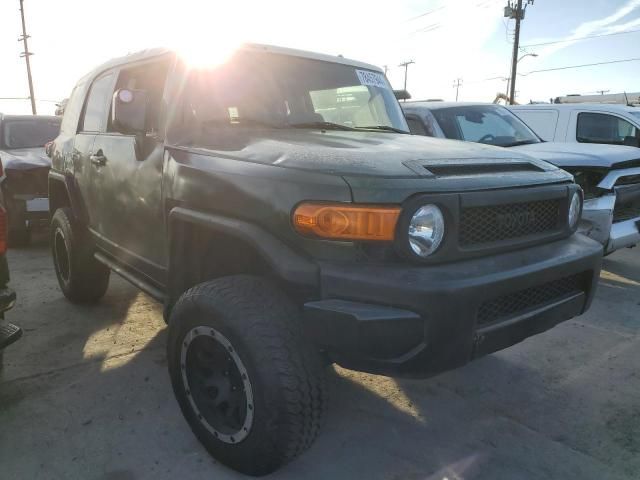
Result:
x=466 y=39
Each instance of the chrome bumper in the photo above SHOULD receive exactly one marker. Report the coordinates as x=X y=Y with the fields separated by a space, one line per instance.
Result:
x=597 y=223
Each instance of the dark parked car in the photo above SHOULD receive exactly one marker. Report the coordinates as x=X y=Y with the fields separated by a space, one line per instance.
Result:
x=9 y=333
x=24 y=167
x=279 y=208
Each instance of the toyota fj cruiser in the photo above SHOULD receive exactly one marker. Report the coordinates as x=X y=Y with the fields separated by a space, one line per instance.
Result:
x=277 y=206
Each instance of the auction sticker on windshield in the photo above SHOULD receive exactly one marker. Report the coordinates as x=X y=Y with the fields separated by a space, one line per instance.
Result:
x=372 y=79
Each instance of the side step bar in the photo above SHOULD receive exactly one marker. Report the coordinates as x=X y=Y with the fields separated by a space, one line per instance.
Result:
x=9 y=333
x=129 y=277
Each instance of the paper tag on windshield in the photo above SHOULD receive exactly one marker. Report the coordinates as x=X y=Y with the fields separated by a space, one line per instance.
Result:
x=372 y=79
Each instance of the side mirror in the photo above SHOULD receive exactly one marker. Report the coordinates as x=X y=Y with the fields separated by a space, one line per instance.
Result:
x=129 y=111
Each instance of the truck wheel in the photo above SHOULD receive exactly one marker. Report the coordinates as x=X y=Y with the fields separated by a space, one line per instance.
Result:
x=81 y=277
x=249 y=384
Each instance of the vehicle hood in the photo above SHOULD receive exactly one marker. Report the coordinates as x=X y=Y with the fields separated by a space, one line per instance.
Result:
x=580 y=154
x=370 y=154
x=24 y=158
x=381 y=167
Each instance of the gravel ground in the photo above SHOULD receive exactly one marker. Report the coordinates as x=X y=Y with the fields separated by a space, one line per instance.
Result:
x=85 y=395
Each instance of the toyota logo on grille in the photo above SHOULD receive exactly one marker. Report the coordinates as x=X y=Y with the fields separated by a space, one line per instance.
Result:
x=516 y=220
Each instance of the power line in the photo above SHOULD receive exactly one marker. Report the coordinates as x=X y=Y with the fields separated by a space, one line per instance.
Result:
x=580 y=38
x=426 y=13
x=580 y=66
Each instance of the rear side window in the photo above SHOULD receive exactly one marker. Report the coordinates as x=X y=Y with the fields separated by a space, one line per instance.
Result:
x=72 y=111
x=543 y=122
x=604 y=128
x=98 y=104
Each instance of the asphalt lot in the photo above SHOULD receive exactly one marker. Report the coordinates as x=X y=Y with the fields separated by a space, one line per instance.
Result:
x=85 y=395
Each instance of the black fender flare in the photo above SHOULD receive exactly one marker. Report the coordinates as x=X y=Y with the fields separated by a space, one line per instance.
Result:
x=287 y=265
x=73 y=194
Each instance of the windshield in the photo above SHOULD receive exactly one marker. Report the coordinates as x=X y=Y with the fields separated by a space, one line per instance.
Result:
x=29 y=132
x=281 y=91
x=489 y=124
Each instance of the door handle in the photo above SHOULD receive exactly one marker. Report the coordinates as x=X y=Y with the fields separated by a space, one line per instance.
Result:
x=98 y=159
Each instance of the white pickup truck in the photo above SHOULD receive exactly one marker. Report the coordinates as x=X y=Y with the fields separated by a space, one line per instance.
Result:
x=582 y=122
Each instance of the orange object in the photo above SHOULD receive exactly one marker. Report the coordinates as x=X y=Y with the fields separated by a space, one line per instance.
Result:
x=339 y=221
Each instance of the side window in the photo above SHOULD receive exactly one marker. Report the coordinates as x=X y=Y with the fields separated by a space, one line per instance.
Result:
x=98 y=103
x=603 y=128
x=416 y=127
x=72 y=111
x=150 y=77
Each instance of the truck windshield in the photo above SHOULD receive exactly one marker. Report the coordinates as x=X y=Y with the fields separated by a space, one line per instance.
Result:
x=257 y=89
x=29 y=133
x=489 y=124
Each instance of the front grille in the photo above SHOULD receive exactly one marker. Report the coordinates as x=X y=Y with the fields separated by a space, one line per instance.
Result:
x=512 y=304
x=626 y=212
x=481 y=225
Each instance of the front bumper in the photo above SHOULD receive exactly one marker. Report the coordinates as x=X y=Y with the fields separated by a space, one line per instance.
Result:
x=599 y=223
x=412 y=320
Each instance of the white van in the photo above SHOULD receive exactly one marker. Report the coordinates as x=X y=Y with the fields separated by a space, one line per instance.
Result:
x=582 y=122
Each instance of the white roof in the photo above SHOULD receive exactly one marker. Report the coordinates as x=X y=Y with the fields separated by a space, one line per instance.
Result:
x=156 y=52
x=311 y=55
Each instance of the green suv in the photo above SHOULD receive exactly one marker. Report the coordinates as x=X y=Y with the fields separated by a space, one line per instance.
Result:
x=277 y=206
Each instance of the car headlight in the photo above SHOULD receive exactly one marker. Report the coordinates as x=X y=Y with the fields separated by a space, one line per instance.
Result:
x=426 y=230
x=575 y=208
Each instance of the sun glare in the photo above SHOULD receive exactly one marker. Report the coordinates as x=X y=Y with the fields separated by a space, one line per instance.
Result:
x=205 y=52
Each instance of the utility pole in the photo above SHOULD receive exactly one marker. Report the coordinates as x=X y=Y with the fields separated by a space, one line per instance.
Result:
x=386 y=69
x=406 y=69
x=517 y=12
x=26 y=54
x=602 y=92
x=457 y=83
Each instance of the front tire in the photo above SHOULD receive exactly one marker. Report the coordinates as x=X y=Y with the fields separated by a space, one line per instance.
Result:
x=248 y=383
x=81 y=277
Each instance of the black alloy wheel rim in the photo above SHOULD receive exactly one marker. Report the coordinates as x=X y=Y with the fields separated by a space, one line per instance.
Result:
x=217 y=384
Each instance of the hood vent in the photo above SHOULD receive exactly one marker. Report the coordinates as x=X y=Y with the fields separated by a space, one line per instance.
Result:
x=458 y=170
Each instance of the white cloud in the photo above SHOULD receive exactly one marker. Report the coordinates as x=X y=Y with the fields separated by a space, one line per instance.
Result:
x=602 y=25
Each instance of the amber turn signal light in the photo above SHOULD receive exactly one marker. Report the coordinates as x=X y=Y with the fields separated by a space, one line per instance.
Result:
x=346 y=222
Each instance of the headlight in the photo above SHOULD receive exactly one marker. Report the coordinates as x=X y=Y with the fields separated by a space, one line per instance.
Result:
x=574 y=209
x=426 y=230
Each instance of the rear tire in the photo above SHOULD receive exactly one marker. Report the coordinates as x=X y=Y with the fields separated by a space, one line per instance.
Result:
x=81 y=277
x=247 y=329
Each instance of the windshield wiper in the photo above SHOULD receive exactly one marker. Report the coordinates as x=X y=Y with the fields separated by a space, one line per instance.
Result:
x=323 y=125
x=521 y=142
x=386 y=128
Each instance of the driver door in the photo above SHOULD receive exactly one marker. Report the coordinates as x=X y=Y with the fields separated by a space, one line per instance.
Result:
x=127 y=177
